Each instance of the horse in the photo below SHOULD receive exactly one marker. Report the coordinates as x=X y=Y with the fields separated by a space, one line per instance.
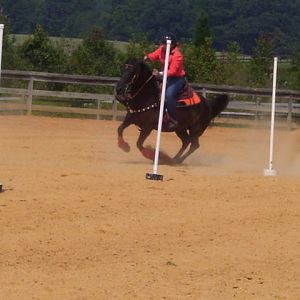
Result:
x=138 y=90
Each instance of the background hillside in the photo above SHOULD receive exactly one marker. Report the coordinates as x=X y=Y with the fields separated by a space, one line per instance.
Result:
x=229 y=20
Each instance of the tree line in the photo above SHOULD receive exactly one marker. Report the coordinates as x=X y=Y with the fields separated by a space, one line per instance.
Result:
x=96 y=56
x=239 y=20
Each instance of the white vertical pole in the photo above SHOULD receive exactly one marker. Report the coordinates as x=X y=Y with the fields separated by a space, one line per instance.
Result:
x=155 y=176
x=270 y=171
x=1 y=42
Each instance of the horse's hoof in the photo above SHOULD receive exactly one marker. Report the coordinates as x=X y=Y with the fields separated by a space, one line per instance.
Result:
x=148 y=153
x=124 y=146
x=176 y=161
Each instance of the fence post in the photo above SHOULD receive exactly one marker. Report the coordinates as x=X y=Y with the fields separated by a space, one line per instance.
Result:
x=257 y=104
x=29 y=97
x=98 y=109
x=114 y=109
x=290 y=113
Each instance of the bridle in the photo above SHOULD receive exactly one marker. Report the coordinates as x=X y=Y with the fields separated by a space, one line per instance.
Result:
x=128 y=86
x=129 y=97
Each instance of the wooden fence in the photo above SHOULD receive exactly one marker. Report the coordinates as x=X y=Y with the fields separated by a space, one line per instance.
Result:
x=256 y=105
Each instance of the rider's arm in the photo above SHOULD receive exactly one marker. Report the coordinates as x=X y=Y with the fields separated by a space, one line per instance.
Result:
x=176 y=66
x=155 y=55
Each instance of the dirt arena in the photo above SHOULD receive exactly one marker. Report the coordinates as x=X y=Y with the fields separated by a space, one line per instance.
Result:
x=78 y=219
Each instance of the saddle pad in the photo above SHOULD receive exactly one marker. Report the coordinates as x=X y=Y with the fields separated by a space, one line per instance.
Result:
x=187 y=96
x=194 y=99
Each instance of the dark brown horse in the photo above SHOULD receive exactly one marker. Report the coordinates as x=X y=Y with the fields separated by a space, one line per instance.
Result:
x=139 y=91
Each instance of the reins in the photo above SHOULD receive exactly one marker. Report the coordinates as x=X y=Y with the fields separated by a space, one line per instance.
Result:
x=141 y=88
x=129 y=94
x=149 y=107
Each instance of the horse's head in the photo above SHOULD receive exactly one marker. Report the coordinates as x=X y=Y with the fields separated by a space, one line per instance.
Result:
x=133 y=76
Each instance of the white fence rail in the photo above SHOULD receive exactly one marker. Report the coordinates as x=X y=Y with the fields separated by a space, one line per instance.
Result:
x=257 y=104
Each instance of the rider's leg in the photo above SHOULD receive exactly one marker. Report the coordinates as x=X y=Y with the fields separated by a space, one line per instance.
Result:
x=174 y=85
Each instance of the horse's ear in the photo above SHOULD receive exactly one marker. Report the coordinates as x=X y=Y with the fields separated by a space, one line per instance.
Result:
x=144 y=67
x=142 y=64
x=132 y=60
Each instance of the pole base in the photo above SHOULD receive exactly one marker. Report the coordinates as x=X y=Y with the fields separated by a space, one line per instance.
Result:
x=270 y=172
x=154 y=176
x=1 y=188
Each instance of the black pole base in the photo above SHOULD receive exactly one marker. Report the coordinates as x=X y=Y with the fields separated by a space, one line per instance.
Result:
x=154 y=176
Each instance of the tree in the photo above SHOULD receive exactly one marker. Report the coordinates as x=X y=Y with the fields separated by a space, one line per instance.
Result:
x=229 y=20
x=202 y=64
x=24 y=14
x=233 y=52
x=262 y=59
x=202 y=30
x=42 y=54
x=293 y=73
x=95 y=56
x=8 y=44
x=138 y=46
x=235 y=70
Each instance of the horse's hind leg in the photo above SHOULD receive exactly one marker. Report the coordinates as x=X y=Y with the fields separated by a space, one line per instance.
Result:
x=194 y=135
x=194 y=146
x=194 y=138
x=185 y=139
x=148 y=153
x=121 y=142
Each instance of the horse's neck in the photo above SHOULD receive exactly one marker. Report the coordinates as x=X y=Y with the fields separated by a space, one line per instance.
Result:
x=147 y=94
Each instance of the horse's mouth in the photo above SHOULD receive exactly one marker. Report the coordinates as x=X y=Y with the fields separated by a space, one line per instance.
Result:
x=120 y=97
x=123 y=98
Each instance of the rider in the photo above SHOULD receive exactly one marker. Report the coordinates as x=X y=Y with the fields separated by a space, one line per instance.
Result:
x=176 y=74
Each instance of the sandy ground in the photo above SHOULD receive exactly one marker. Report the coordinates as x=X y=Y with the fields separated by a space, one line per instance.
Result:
x=78 y=219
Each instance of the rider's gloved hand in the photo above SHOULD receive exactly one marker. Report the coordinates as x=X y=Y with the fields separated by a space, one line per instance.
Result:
x=155 y=72
x=158 y=75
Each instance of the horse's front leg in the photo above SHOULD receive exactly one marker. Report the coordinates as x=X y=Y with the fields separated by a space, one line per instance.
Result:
x=121 y=142
x=148 y=153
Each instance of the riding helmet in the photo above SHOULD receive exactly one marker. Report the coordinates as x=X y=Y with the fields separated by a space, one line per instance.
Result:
x=169 y=36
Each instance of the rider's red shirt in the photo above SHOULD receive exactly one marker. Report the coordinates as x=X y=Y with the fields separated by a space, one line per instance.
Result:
x=176 y=68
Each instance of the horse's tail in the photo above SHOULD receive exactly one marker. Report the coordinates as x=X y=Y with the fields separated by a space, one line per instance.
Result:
x=218 y=104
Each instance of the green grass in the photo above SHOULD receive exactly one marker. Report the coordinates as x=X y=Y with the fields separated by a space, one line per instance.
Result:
x=69 y=44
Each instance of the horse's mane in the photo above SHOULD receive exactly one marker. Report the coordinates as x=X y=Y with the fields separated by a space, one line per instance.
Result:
x=145 y=81
x=139 y=63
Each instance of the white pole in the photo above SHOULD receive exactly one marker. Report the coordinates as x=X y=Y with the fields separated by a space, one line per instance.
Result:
x=1 y=42
x=155 y=176
x=270 y=171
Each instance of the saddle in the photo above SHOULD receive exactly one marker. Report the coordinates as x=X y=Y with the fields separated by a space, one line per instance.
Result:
x=188 y=96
